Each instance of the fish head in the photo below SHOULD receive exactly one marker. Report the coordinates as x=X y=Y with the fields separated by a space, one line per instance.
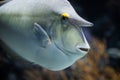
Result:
x=66 y=30
x=65 y=27
x=66 y=34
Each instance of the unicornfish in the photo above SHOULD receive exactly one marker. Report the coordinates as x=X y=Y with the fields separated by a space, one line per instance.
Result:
x=45 y=32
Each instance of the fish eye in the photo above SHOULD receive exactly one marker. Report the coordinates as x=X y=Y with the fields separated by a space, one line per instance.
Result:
x=65 y=16
x=64 y=21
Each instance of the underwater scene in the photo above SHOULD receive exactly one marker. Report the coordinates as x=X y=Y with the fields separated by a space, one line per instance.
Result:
x=59 y=40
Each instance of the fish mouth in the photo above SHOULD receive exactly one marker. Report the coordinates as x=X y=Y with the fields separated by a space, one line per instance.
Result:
x=84 y=49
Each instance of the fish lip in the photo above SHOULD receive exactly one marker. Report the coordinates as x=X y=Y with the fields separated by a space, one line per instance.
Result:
x=82 y=51
x=82 y=48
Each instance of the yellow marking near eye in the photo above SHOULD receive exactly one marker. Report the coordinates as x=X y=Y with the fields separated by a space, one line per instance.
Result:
x=66 y=15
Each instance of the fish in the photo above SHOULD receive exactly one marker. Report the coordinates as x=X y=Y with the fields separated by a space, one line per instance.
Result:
x=45 y=32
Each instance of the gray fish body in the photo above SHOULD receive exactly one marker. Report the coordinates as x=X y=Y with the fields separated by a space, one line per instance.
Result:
x=35 y=30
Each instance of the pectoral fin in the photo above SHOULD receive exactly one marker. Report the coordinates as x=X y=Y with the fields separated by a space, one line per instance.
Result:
x=41 y=35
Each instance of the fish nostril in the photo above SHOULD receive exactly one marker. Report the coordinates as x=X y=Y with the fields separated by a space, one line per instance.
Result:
x=84 y=49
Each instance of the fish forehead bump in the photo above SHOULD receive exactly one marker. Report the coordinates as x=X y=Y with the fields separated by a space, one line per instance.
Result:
x=65 y=7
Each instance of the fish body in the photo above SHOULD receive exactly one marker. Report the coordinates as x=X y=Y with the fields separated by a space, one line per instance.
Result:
x=45 y=32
